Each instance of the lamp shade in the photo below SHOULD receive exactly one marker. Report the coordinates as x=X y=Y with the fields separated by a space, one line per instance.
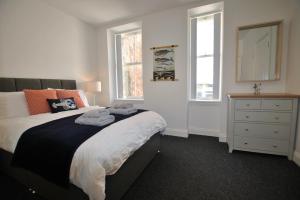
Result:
x=93 y=86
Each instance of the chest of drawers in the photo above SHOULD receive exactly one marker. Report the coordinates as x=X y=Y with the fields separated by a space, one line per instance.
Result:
x=263 y=124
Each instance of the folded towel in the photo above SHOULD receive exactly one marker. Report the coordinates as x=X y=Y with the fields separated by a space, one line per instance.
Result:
x=122 y=105
x=96 y=113
x=100 y=121
x=123 y=111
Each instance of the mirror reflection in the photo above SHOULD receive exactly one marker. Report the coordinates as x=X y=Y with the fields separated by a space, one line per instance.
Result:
x=258 y=52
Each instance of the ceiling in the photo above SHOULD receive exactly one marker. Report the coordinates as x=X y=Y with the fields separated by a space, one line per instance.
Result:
x=105 y=11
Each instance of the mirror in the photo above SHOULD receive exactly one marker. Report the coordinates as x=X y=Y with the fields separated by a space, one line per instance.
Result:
x=259 y=52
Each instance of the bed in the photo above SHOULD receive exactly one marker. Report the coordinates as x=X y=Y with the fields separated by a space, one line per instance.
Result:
x=116 y=185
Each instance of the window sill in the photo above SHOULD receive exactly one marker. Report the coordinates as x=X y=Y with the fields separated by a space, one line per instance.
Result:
x=205 y=101
x=133 y=100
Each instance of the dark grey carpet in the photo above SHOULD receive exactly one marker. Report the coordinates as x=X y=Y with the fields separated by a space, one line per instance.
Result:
x=200 y=168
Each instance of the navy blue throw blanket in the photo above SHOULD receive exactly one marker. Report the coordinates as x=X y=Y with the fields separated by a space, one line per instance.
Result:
x=48 y=149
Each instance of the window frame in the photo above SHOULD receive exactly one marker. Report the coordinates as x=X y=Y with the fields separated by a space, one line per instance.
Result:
x=118 y=78
x=217 y=56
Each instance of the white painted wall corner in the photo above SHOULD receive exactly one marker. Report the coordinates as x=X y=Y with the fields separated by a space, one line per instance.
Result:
x=296 y=158
x=222 y=139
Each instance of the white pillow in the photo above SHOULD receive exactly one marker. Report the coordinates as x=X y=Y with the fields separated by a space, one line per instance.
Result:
x=13 y=104
x=83 y=98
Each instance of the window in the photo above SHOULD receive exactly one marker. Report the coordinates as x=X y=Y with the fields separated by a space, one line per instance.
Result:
x=206 y=56
x=129 y=72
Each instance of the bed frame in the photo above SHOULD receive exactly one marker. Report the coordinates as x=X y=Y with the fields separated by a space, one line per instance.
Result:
x=116 y=185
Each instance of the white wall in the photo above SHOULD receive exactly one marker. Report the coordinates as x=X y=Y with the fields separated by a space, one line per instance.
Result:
x=211 y=119
x=293 y=72
x=167 y=98
x=170 y=27
x=39 y=41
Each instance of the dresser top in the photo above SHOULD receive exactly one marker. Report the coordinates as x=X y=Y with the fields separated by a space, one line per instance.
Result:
x=263 y=95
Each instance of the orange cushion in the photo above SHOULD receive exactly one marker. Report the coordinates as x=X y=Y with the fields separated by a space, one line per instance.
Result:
x=37 y=100
x=70 y=93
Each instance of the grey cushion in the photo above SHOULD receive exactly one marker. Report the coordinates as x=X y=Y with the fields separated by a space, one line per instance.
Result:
x=19 y=84
x=68 y=84
x=51 y=83
x=7 y=85
x=26 y=83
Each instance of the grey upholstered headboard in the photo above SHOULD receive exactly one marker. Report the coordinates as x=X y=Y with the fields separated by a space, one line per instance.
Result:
x=19 y=84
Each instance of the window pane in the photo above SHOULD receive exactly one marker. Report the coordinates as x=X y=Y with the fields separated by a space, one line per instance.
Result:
x=131 y=47
x=132 y=81
x=131 y=70
x=205 y=71
x=205 y=35
x=206 y=56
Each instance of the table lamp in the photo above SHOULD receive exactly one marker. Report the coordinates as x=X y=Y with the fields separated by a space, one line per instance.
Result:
x=93 y=87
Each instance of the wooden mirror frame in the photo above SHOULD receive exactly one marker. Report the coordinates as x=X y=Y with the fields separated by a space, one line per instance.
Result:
x=278 y=49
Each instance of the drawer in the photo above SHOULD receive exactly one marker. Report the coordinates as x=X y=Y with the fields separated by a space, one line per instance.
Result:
x=273 y=104
x=272 y=117
x=262 y=131
x=269 y=145
x=248 y=104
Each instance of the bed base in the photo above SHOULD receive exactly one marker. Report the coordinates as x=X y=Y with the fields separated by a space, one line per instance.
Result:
x=116 y=185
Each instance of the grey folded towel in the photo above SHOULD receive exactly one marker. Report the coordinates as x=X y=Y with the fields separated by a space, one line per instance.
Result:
x=95 y=121
x=123 y=111
x=122 y=106
x=96 y=113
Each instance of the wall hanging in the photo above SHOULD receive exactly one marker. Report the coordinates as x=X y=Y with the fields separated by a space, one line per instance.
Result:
x=164 y=63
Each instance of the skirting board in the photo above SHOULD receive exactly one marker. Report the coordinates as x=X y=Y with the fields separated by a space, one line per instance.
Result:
x=204 y=131
x=296 y=158
x=208 y=132
x=176 y=132
x=222 y=139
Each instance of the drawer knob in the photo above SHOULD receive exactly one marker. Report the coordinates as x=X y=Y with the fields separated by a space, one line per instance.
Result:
x=248 y=105
x=277 y=105
x=277 y=118
x=275 y=132
x=245 y=143
x=247 y=116
x=275 y=146
x=246 y=129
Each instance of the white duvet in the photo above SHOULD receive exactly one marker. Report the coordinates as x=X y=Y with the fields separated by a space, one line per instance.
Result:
x=101 y=155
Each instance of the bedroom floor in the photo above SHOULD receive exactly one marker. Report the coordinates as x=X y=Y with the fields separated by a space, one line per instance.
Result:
x=200 y=168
